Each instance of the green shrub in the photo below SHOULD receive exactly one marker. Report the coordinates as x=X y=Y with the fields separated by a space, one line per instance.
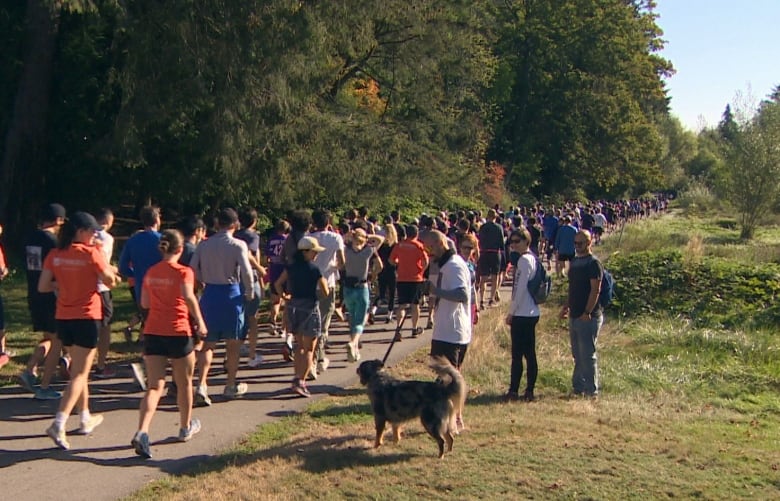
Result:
x=710 y=291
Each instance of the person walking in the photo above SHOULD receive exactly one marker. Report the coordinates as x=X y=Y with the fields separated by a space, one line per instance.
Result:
x=73 y=268
x=585 y=315
x=221 y=262
x=522 y=318
x=359 y=250
x=43 y=305
x=329 y=262
x=491 y=248
x=410 y=260
x=105 y=242
x=168 y=293
x=303 y=280
x=452 y=327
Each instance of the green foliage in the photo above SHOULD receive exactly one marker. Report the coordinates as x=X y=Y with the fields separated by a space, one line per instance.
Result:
x=698 y=198
x=577 y=88
x=711 y=292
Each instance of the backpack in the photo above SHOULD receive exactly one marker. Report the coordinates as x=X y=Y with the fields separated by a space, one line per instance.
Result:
x=607 y=292
x=540 y=285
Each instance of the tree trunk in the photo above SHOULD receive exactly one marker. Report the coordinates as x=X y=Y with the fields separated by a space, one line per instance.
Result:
x=24 y=153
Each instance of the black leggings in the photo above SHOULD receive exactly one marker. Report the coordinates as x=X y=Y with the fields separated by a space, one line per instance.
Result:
x=386 y=289
x=523 y=333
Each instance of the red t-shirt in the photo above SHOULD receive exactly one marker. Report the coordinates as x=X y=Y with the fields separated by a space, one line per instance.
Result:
x=411 y=260
x=76 y=270
x=168 y=313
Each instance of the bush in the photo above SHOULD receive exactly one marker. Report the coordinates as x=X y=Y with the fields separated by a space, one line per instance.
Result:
x=698 y=198
x=709 y=291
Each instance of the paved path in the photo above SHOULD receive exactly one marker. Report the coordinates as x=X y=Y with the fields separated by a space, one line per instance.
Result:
x=104 y=466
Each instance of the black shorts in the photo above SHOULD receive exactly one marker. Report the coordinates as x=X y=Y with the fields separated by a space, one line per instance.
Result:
x=107 y=307
x=409 y=292
x=489 y=263
x=453 y=352
x=565 y=257
x=42 y=309
x=598 y=230
x=168 y=346
x=79 y=332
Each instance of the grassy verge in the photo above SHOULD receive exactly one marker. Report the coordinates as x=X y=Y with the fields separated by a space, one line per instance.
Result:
x=686 y=412
x=22 y=340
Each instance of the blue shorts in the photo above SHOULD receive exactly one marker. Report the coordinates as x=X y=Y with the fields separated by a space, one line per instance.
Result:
x=223 y=311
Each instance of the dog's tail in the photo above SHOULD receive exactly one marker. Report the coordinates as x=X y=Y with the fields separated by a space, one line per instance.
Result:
x=452 y=379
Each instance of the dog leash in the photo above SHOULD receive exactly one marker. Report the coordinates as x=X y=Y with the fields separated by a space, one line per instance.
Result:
x=392 y=343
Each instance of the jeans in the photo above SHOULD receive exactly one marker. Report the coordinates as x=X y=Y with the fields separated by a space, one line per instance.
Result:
x=583 y=335
x=356 y=301
x=523 y=332
x=326 y=305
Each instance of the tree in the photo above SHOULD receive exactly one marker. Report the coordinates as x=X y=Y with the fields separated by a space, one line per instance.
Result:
x=751 y=179
x=578 y=90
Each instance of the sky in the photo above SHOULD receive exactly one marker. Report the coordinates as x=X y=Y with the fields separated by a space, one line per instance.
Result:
x=719 y=48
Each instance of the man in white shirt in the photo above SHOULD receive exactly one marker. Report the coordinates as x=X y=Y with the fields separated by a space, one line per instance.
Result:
x=329 y=262
x=452 y=306
x=105 y=241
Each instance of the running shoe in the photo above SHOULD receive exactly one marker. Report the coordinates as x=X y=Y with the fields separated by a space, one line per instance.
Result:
x=300 y=388
x=255 y=362
x=28 y=381
x=173 y=391
x=47 y=394
x=139 y=374
x=63 y=367
x=287 y=350
x=417 y=331
x=128 y=334
x=398 y=336
x=351 y=352
x=140 y=443
x=185 y=434
x=105 y=373
x=89 y=426
x=235 y=391
x=59 y=436
x=323 y=364
x=202 y=396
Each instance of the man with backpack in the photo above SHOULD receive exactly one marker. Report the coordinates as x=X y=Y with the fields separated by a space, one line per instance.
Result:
x=585 y=313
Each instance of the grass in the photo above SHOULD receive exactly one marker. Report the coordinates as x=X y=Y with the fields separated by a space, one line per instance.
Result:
x=685 y=412
x=22 y=340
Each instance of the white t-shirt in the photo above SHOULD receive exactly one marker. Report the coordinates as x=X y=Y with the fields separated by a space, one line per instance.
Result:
x=523 y=305
x=105 y=242
x=600 y=220
x=452 y=320
x=326 y=260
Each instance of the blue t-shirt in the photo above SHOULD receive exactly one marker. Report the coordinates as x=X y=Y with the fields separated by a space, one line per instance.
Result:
x=550 y=225
x=140 y=253
x=564 y=240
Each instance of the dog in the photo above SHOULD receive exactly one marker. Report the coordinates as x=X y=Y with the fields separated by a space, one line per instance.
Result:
x=436 y=403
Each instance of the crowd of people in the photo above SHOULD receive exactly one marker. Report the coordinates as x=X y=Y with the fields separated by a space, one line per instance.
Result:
x=197 y=287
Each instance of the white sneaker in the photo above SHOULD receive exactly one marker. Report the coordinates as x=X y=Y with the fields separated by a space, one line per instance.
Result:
x=255 y=362
x=93 y=422
x=185 y=434
x=202 y=395
x=323 y=364
x=351 y=352
x=59 y=437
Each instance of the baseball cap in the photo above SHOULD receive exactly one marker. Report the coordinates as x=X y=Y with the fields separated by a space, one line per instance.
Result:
x=310 y=243
x=84 y=220
x=52 y=212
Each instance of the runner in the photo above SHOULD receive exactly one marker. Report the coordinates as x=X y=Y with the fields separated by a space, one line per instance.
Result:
x=42 y=306
x=76 y=265
x=105 y=242
x=358 y=253
x=168 y=293
x=410 y=260
x=247 y=234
